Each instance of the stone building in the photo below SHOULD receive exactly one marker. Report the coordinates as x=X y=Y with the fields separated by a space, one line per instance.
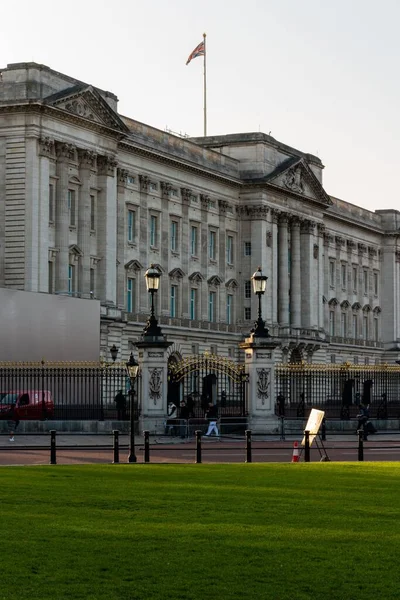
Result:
x=90 y=198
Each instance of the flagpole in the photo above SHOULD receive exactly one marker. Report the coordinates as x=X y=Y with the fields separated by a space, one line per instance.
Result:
x=205 y=88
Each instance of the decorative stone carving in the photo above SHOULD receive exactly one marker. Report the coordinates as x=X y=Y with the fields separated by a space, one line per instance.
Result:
x=268 y=239
x=316 y=251
x=362 y=248
x=186 y=194
x=372 y=251
x=144 y=183
x=155 y=383
x=166 y=187
x=87 y=159
x=80 y=108
x=65 y=151
x=122 y=176
x=328 y=239
x=340 y=241
x=284 y=218
x=275 y=215
x=351 y=245
x=223 y=205
x=307 y=226
x=263 y=385
x=321 y=229
x=205 y=201
x=293 y=180
x=106 y=165
x=47 y=147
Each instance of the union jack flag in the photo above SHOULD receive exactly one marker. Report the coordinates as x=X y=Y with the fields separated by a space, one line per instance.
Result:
x=198 y=51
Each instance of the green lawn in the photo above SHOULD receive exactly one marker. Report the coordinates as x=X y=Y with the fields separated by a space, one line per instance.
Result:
x=129 y=532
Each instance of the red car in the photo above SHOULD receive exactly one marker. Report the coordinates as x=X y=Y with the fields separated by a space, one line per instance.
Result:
x=29 y=405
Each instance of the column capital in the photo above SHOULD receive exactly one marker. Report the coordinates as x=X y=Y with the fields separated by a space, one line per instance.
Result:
x=106 y=165
x=295 y=222
x=65 y=151
x=47 y=147
x=307 y=226
x=186 y=194
x=284 y=218
x=205 y=201
x=223 y=205
x=321 y=229
x=144 y=183
x=87 y=159
x=275 y=215
x=122 y=176
x=166 y=187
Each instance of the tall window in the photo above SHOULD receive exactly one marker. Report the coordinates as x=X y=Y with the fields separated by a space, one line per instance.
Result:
x=331 y=323
x=72 y=207
x=343 y=325
x=193 y=240
x=376 y=329
x=229 y=250
x=130 y=294
x=131 y=226
x=212 y=306
x=332 y=273
x=247 y=248
x=355 y=326
x=229 y=308
x=51 y=202
x=376 y=284
x=92 y=213
x=212 y=248
x=365 y=281
x=174 y=236
x=92 y=283
x=365 y=327
x=153 y=230
x=355 y=279
x=51 y=277
x=173 y=297
x=193 y=303
x=71 y=279
x=344 y=276
x=247 y=289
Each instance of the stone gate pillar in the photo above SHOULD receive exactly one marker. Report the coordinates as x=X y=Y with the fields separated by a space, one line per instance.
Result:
x=154 y=382
x=260 y=367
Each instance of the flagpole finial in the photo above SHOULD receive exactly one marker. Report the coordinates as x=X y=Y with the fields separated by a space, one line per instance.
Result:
x=204 y=34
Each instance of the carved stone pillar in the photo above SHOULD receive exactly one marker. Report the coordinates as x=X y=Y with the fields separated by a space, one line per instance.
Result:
x=186 y=195
x=47 y=157
x=295 y=275
x=222 y=257
x=87 y=163
x=122 y=175
x=274 y=266
x=107 y=237
x=65 y=153
x=283 y=251
x=165 y=247
x=309 y=313
x=205 y=201
x=321 y=292
x=144 y=183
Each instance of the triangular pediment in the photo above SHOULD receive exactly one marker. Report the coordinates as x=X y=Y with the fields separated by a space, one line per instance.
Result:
x=84 y=101
x=295 y=177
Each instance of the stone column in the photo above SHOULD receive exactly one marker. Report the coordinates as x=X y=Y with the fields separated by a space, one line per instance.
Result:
x=283 y=270
x=321 y=291
x=65 y=153
x=274 y=283
x=295 y=275
x=107 y=236
x=47 y=156
x=87 y=161
x=308 y=310
x=222 y=258
x=144 y=183
x=165 y=248
x=205 y=200
x=260 y=368
x=185 y=245
x=122 y=175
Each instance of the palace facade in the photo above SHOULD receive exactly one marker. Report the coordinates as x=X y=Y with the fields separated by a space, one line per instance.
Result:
x=90 y=198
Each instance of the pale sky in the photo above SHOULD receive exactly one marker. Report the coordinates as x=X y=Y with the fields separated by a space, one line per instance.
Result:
x=320 y=75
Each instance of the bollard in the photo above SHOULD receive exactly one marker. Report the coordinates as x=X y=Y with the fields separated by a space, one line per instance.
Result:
x=248 y=446
x=53 y=460
x=116 y=446
x=323 y=430
x=146 y=446
x=360 y=444
x=198 y=446
x=307 y=446
x=282 y=428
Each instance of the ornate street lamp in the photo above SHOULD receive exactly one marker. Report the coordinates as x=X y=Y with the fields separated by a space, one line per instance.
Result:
x=152 y=277
x=114 y=352
x=259 y=285
x=132 y=368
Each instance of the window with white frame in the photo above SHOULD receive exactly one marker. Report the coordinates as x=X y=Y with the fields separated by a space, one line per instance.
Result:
x=71 y=279
x=194 y=234
x=130 y=294
x=212 y=307
x=247 y=248
x=153 y=231
x=212 y=245
x=247 y=313
x=51 y=202
x=355 y=276
x=376 y=284
x=173 y=301
x=193 y=304
x=229 y=309
x=332 y=273
x=72 y=207
x=247 y=289
x=92 y=212
x=343 y=271
x=355 y=326
x=174 y=236
x=131 y=226
x=229 y=249
x=331 y=323
x=365 y=282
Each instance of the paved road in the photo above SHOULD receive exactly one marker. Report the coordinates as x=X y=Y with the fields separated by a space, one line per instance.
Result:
x=90 y=449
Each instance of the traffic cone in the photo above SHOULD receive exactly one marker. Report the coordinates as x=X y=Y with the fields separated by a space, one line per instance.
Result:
x=295 y=457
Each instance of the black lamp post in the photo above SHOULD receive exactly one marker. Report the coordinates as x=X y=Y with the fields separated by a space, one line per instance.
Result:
x=114 y=352
x=152 y=277
x=132 y=368
x=259 y=285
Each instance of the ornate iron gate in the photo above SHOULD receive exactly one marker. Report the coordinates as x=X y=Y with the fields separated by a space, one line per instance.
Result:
x=203 y=378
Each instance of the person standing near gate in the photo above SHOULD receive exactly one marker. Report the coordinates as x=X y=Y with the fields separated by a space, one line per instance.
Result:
x=212 y=416
x=120 y=402
x=183 y=418
x=12 y=422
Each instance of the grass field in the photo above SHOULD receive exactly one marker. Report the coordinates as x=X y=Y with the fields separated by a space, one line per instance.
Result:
x=129 y=532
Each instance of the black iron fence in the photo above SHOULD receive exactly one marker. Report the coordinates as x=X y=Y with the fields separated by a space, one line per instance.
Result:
x=338 y=390
x=67 y=391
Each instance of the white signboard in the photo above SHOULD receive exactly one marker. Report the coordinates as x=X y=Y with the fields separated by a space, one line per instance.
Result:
x=313 y=424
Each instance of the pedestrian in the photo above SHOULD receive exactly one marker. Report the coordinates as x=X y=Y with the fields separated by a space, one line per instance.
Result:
x=12 y=422
x=183 y=417
x=171 y=421
x=280 y=400
x=190 y=406
x=363 y=416
x=120 y=402
x=212 y=416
